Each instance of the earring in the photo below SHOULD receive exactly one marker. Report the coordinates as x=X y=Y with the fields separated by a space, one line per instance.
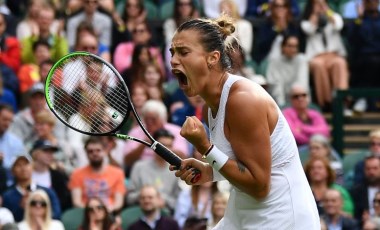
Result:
x=209 y=65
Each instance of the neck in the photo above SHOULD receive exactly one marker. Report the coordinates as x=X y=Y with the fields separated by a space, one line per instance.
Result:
x=40 y=167
x=44 y=34
x=151 y=216
x=334 y=218
x=24 y=183
x=214 y=89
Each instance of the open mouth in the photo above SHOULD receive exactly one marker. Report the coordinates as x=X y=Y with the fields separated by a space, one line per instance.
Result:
x=182 y=79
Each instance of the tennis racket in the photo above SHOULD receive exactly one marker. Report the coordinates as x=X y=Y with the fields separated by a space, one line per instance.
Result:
x=88 y=95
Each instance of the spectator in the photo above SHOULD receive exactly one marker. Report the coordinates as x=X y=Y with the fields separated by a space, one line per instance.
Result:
x=10 y=47
x=321 y=177
x=44 y=175
x=64 y=157
x=142 y=35
x=319 y=146
x=365 y=54
x=218 y=207
x=96 y=216
x=38 y=213
x=28 y=26
x=57 y=41
x=141 y=56
x=289 y=68
x=44 y=69
x=10 y=144
x=154 y=116
x=304 y=121
x=325 y=51
x=23 y=123
x=74 y=6
x=195 y=201
x=154 y=80
x=15 y=198
x=28 y=75
x=270 y=34
x=86 y=28
x=363 y=193
x=155 y=172
x=332 y=204
x=101 y=22
x=133 y=13
x=243 y=28
x=152 y=219
x=373 y=150
x=97 y=179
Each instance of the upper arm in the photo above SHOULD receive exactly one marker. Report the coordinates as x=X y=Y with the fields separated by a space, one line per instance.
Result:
x=249 y=130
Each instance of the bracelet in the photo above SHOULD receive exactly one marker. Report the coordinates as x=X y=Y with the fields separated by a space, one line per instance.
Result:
x=216 y=158
x=207 y=152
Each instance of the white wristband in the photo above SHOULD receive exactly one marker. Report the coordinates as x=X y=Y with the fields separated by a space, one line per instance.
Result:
x=216 y=158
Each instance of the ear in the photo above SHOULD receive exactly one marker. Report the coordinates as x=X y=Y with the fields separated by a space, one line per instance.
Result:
x=213 y=58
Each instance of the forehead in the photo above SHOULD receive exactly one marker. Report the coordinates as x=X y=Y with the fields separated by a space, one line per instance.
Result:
x=186 y=38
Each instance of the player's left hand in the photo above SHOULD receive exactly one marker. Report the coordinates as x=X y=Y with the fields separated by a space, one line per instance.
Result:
x=194 y=131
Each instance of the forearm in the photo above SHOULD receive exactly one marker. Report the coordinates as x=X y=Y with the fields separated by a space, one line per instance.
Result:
x=239 y=176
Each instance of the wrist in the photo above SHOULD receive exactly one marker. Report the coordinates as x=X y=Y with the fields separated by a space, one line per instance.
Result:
x=216 y=158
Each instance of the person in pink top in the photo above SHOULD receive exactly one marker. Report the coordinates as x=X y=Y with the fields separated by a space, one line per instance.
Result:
x=304 y=121
x=154 y=116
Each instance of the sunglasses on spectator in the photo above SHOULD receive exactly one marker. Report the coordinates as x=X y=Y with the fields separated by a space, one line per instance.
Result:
x=375 y=143
x=139 y=31
x=376 y=201
x=95 y=208
x=280 y=6
x=40 y=203
x=297 y=96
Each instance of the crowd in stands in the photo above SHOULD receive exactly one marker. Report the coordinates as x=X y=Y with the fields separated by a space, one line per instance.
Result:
x=300 y=51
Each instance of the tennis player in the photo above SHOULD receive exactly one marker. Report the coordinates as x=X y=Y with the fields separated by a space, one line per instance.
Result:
x=250 y=143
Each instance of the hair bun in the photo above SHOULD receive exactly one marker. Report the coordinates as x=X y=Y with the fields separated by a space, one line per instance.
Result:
x=226 y=25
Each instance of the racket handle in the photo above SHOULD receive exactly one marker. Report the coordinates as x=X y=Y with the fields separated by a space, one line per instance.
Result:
x=173 y=159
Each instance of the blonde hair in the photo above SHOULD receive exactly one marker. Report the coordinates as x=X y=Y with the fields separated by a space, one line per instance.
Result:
x=47 y=218
x=234 y=8
x=45 y=117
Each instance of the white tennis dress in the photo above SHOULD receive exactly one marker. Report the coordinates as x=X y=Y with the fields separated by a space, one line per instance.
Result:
x=290 y=203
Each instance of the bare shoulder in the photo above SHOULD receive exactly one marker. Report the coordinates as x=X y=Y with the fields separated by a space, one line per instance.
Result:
x=250 y=102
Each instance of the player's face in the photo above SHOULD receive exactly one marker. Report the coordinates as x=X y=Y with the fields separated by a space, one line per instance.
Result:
x=189 y=62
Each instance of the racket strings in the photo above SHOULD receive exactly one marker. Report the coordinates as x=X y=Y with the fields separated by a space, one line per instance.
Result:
x=98 y=110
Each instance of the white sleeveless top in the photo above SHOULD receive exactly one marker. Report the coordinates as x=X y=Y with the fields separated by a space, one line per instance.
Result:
x=290 y=203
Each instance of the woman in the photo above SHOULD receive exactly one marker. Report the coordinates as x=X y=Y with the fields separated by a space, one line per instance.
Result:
x=96 y=217
x=321 y=177
x=134 y=13
x=325 y=50
x=38 y=213
x=154 y=80
x=195 y=202
x=218 y=208
x=270 y=33
x=251 y=144
x=319 y=146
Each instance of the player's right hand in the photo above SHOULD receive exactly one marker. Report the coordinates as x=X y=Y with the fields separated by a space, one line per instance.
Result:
x=187 y=173
x=194 y=131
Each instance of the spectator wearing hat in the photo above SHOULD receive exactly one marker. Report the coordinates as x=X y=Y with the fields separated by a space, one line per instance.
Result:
x=155 y=172
x=15 y=197
x=43 y=174
x=23 y=123
x=6 y=217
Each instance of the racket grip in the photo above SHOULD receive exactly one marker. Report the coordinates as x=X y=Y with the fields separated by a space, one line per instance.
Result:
x=173 y=159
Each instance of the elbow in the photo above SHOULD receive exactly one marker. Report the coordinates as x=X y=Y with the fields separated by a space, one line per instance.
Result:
x=260 y=194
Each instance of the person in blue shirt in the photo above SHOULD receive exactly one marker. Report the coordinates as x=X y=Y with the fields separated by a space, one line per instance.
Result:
x=16 y=196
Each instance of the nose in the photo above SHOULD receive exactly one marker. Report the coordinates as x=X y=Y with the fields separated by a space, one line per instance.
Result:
x=174 y=61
